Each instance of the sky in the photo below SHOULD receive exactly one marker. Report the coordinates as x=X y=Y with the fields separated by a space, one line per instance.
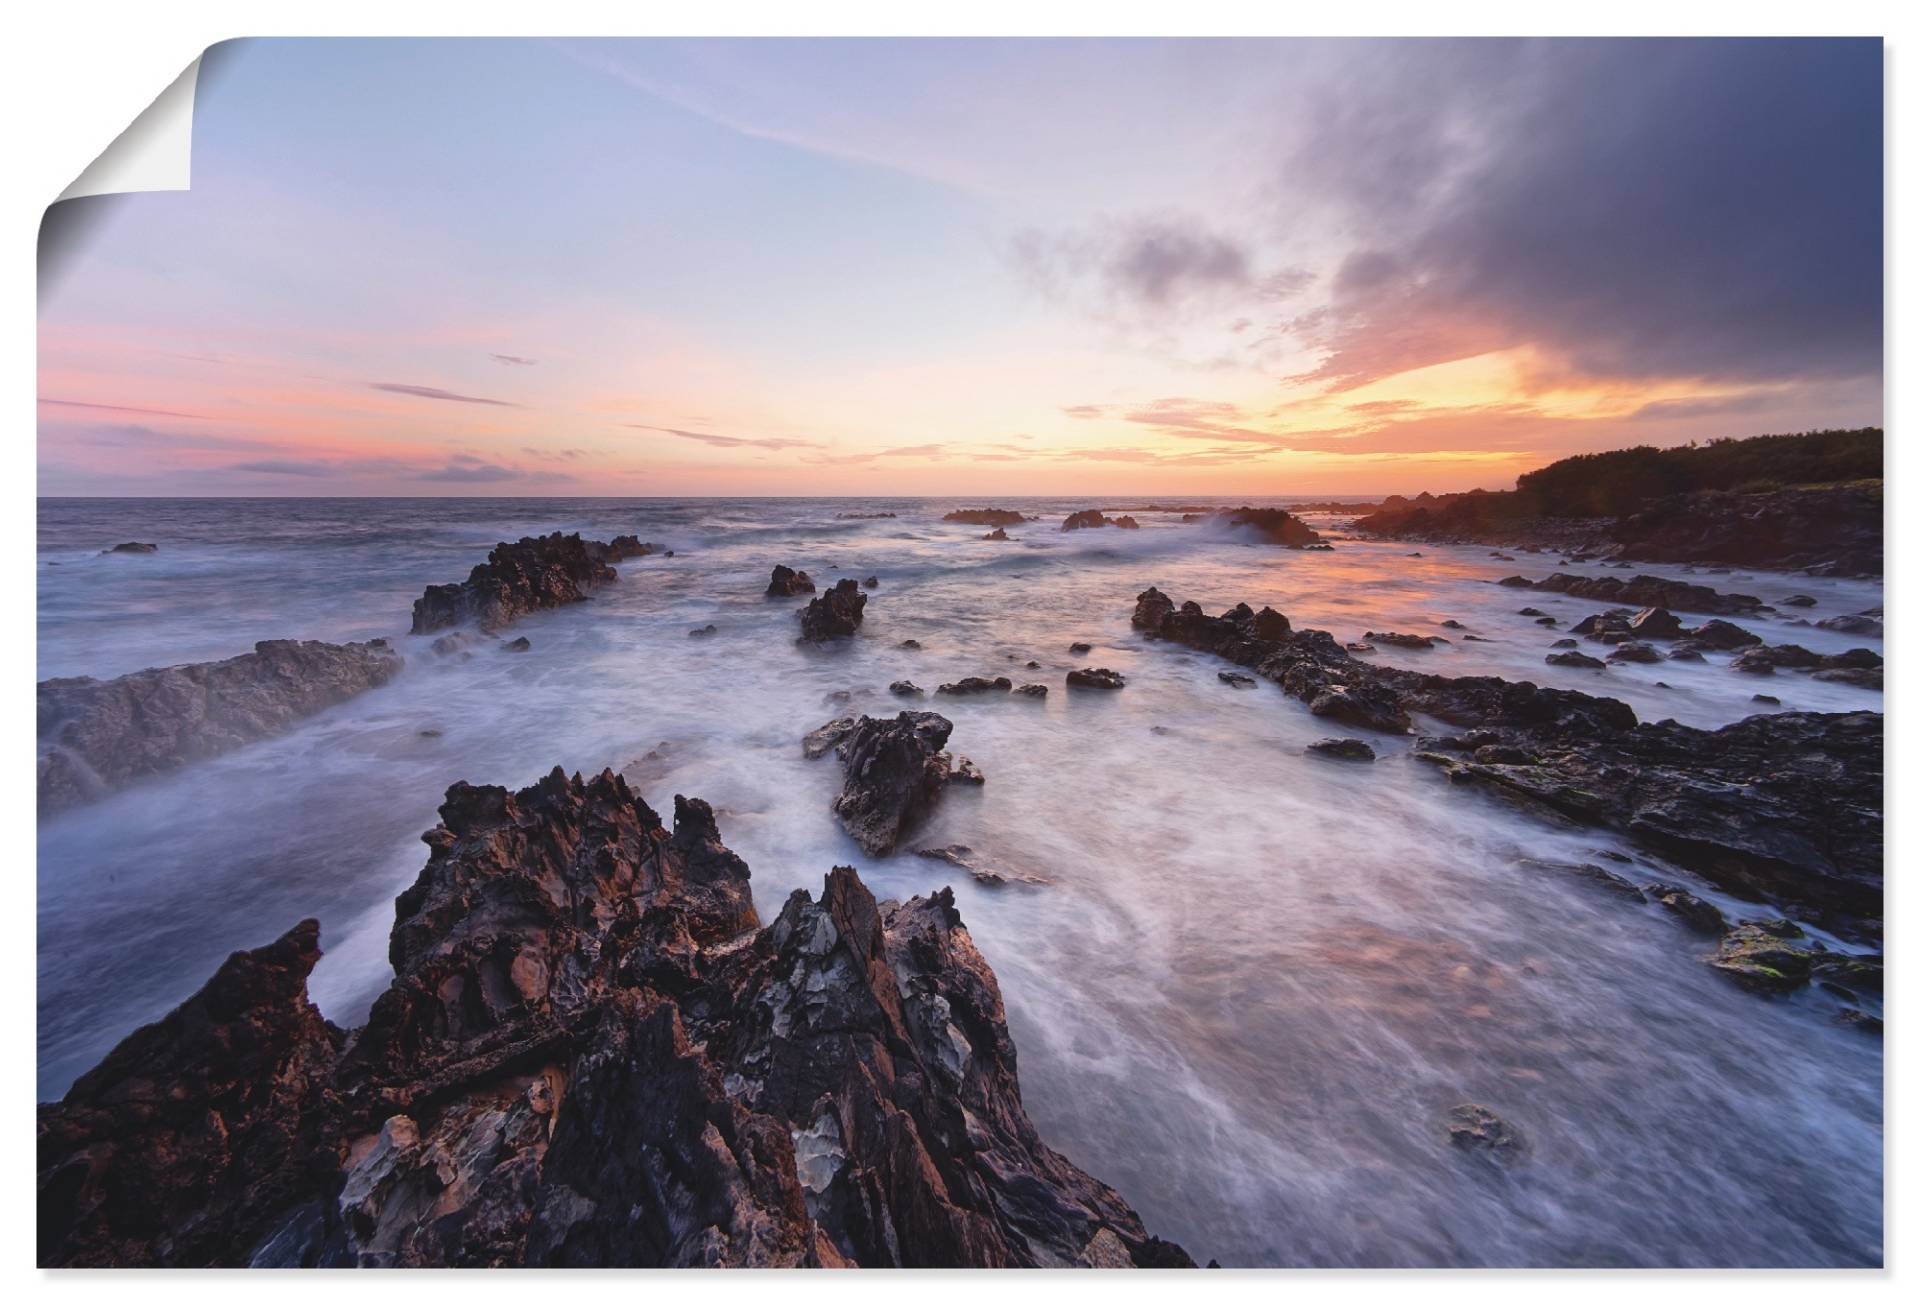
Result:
x=668 y=267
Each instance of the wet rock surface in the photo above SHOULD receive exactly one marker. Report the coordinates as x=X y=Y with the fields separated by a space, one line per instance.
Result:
x=96 y=736
x=1274 y=526
x=836 y=614
x=592 y=1053
x=1782 y=807
x=1833 y=530
x=132 y=546
x=987 y=517
x=1091 y=519
x=1641 y=591
x=1342 y=749
x=534 y=573
x=1096 y=677
x=895 y=771
x=974 y=685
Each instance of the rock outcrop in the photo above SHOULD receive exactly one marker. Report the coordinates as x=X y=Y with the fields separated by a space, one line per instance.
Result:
x=96 y=736
x=789 y=583
x=895 y=771
x=1641 y=591
x=1090 y=519
x=132 y=546
x=1783 y=807
x=1830 y=530
x=987 y=517
x=592 y=1053
x=1274 y=526
x=535 y=573
x=836 y=614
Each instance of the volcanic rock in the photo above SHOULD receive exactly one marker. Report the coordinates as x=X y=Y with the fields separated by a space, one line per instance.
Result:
x=530 y=575
x=789 y=583
x=1641 y=591
x=975 y=684
x=1342 y=749
x=895 y=770
x=1096 y=678
x=1274 y=526
x=131 y=546
x=835 y=614
x=987 y=517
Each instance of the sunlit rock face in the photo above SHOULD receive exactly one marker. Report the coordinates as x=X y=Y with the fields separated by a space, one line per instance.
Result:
x=591 y=1054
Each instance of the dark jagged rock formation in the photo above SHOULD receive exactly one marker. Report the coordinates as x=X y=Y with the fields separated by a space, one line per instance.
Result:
x=976 y=684
x=987 y=517
x=1274 y=526
x=1091 y=518
x=1642 y=591
x=133 y=546
x=835 y=614
x=1782 y=807
x=527 y=576
x=1342 y=749
x=592 y=1053
x=997 y=534
x=867 y=516
x=789 y=583
x=1096 y=677
x=1402 y=640
x=895 y=771
x=1832 y=530
x=99 y=735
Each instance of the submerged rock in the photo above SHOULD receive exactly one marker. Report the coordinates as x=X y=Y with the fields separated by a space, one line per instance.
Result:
x=96 y=736
x=975 y=684
x=818 y=743
x=835 y=614
x=133 y=546
x=533 y=574
x=1031 y=691
x=1090 y=519
x=1477 y=1129
x=998 y=533
x=1093 y=677
x=592 y=1053
x=1401 y=640
x=1238 y=681
x=906 y=689
x=520 y=645
x=1764 y=956
x=1342 y=749
x=789 y=583
x=987 y=517
x=1641 y=591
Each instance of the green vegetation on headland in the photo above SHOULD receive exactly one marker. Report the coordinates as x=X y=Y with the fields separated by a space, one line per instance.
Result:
x=1625 y=480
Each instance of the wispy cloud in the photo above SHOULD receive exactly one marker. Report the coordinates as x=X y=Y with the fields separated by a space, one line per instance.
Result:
x=434 y=392
x=726 y=441
x=513 y=360
x=114 y=407
x=470 y=471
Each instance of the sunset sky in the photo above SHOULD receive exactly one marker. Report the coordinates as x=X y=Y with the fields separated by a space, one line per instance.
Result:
x=971 y=267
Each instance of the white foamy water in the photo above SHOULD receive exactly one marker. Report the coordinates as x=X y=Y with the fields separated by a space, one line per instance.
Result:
x=1252 y=981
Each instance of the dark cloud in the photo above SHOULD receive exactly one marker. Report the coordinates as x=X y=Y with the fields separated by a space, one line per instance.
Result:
x=726 y=441
x=431 y=392
x=512 y=360
x=1634 y=207
x=1149 y=268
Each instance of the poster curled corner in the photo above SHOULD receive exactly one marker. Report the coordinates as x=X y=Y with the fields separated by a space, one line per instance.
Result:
x=155 y=152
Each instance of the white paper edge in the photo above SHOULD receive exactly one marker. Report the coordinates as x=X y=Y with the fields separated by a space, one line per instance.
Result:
x=155 y=152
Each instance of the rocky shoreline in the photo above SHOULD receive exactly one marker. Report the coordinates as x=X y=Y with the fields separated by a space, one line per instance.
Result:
x=1783 y=809
x=517 y=578
x=592 y=1053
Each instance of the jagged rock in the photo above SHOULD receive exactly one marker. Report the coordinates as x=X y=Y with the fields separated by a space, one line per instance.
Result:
x=895 y=770
x=1641 y=591
x=1477 y=1129
x=1237 y=680
x=789 y=583
x=1781 y=807
x=517 y=578
x=1719 y=636
x=998 y=533
x=818 y=743
x=987 y=517
x=906 y=689
x=592 y=1053
x=871 y=582
x=975 y=684
x=1092 y=677
x=96 y=736
x=1031 y=691
x=1091 y=518
x=1655 y=623
x=835 y=614
x=1342 y=749
x=703 y=631
x=1833 y=530
x=133 y=546
x=965 y=772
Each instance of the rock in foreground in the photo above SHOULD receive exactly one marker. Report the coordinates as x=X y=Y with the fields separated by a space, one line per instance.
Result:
x=533 y=574
x=835 y=614
x=591 y=1054
x=895 y=771
x=100 y=735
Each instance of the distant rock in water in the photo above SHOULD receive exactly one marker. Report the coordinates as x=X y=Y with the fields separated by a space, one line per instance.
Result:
x=520 y=645
x=535 y=573
x=987 y=517
x=131 y=546
x=1477 y=1129
x=1091 y=519
x=592 y=1053
x=835 y=614
x=976 y=684
x=868 y=516
x=789 y=583
x=96 y=736
x=998 y=533
x=1096 y=677
x=1641 y=591
x=895 y=771
x=1274 y=525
